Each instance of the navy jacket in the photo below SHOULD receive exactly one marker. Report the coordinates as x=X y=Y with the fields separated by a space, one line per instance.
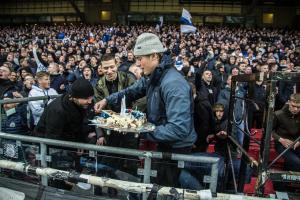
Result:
x=17 y=122
x=169 y=105
x=56 y=81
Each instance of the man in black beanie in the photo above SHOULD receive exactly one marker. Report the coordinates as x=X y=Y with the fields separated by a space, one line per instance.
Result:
x=63 y=118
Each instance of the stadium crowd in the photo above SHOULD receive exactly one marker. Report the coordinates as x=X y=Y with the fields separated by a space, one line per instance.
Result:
x=37 y=60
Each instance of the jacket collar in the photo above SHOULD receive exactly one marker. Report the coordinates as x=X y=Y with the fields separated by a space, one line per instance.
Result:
x=102 y=83
x=71 y=106
x=165 y=64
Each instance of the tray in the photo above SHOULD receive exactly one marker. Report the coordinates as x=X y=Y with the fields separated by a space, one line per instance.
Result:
x=147 y=127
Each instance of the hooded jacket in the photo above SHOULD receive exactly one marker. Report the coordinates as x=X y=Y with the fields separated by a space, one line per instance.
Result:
x=169 y=105
x=37 y=107
x=62 y=120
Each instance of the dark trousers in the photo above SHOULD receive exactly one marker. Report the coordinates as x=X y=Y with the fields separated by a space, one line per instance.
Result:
x=291 y=157
x=258 y=118
x=128 y=164
x=167 y=170
x=124 y=163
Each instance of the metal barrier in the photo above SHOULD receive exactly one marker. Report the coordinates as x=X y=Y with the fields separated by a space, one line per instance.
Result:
x=146 y=155
x=21 y=100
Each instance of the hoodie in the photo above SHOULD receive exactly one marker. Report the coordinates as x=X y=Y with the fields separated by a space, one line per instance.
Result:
x=37 y=107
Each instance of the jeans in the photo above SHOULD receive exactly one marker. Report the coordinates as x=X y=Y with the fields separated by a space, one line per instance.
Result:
x=240 y=133
x=192 y=175
x=192 y=172
x=291 y=157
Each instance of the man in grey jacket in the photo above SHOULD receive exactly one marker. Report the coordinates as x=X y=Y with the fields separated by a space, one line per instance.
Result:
x=169 y=102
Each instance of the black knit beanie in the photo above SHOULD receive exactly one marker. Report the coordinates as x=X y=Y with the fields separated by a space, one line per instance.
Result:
x=82 y=88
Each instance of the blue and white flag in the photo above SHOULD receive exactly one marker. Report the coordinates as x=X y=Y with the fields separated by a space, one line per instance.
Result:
x=161 y=21
x=159 y=24
x=186 y=22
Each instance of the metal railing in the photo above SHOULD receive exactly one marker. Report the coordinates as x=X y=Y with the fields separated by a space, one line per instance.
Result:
x=22 y=100
x=147 y=156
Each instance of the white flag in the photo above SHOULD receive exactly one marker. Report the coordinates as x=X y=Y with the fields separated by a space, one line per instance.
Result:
x=161 y=21
x=186 y=22
x=187 y=29
x=159 y=24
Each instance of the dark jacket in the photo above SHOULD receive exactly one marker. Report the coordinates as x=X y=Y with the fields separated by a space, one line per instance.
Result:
x=16 y=123
x=285 y=90
x=78 y=73
x=62 y=119
x=124 y=67
x=208 y=91
x=260 y=97
x=220 y=146
x=93 y=82
x=203 y=121
x=169 y=105
x=25 y=91
x=219 y=80
x=285 y=124
x=56 y=80
x=5 y=86
x=228 y=68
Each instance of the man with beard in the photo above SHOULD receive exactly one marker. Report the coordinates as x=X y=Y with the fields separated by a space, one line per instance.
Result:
x=63 y=118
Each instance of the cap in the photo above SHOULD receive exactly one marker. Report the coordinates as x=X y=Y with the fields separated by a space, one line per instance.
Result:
x=82 y=88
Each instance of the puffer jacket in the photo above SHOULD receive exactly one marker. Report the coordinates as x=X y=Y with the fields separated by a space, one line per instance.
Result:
x=169 y=105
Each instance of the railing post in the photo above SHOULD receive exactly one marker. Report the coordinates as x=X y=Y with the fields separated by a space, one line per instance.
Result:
x=0 y=117
x=214 y=177
x=43 y=154
x=147 y=173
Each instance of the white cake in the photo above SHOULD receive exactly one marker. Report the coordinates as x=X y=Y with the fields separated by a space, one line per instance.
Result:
x=126 y=121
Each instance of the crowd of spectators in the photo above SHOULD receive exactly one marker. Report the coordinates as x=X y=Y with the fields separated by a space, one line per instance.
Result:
x=37 y=60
